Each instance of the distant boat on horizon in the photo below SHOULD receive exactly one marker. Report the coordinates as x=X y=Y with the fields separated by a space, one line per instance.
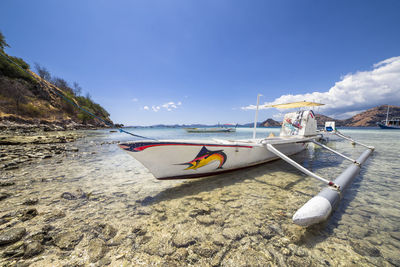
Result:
x=393 y=123
x=218 y=129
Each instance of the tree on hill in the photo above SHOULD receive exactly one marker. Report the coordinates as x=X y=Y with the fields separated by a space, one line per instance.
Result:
x=63 y=85
x=3 y=42
x=42 y=72
x=77 y=89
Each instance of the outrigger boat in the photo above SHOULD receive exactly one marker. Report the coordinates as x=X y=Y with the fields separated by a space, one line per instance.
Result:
x=177 y=159
x=180 y=159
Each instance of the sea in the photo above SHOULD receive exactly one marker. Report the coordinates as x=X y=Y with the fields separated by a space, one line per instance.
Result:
x=242 y=218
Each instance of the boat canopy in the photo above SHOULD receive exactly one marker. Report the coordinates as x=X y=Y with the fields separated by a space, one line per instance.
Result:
x=295 y=105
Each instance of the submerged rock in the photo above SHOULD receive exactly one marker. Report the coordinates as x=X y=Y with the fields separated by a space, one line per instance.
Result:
x=139 y=230
x=365 y=249
x=206 y=249
x=97 y=249
x=32 y=249
x=234 y=233
x=4 y=195
x=68 y=196
x=30 y=201
x=28 y=214
x=54 y=215
x=6 y=183
x=12 y=235
x=68 y=240
x=15 y=250
x=159 y=245
x=395 y=235
x=247 y=257
x=105 y=231
x=205 y=219
x=183 y=239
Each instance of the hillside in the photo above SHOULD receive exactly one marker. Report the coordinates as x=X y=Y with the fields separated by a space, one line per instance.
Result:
x=26 y=98
x=321 y=119
x=270 y=123
x=371 y=116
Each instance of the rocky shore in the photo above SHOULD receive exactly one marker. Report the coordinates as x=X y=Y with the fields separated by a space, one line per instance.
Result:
x=30 y=145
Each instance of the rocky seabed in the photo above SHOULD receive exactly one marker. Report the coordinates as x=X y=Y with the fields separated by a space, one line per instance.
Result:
x=68 y=199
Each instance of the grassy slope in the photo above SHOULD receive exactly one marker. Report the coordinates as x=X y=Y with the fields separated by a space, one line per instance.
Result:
x=30 y=99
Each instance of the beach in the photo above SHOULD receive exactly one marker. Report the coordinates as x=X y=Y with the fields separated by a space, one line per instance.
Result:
x=76 y=199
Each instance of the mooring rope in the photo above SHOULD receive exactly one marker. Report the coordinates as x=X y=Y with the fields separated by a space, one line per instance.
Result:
x=73 y=103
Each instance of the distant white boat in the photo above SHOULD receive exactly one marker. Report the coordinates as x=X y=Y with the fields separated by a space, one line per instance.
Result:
x=211 y=130
x=226 y=128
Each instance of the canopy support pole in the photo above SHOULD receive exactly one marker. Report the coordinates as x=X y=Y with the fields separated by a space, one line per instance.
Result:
x=272 y=149
x=334 y=151
x=256 y=116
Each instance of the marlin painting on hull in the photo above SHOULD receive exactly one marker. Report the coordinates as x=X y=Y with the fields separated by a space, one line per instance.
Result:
x=205 y=157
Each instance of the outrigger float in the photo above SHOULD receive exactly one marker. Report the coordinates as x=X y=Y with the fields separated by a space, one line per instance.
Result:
x=181 y=159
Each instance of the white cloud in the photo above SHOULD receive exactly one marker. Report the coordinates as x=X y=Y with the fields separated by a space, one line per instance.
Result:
x=155 y=108
x=135 y=100
x=355 y=92
x=169 y=106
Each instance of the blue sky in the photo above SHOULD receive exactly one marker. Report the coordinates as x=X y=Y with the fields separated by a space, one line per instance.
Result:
x=150 y=62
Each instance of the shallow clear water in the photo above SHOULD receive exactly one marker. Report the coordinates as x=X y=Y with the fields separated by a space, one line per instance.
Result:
x=224 y=216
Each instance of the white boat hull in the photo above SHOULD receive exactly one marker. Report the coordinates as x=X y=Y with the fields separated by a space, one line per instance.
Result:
x=172 y=159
